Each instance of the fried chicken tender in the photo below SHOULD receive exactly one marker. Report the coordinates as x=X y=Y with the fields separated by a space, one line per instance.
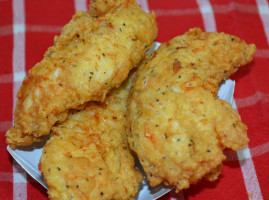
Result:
x=87 y=156
x=94 y=53
x=178 y=126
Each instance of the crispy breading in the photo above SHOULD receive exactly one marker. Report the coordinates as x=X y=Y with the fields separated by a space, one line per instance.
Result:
x=87 y=156
x=93 y=54
x=178 y=126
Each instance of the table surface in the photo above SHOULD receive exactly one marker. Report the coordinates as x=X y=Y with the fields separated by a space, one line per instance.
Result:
x=27 y=28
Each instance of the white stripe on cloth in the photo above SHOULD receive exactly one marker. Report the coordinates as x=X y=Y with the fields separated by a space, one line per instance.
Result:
x=252 y=100
x=18 y=76
x=18 y=61
x=18 y=28
x=81 y=5
x=143 y=4
x=176 y=12
x=221 y=9
x=5 y=125
x=19 y=182
x=262 y=53
x=43 y=28
x=248 y=171
x=260 y=150
x=18 y=65
x=249 y=153
x=207 y=15
x=19 y=178
x=233 y=6
x=263 y=9
x=6 y=177
x=6 y=30
x=250 y=179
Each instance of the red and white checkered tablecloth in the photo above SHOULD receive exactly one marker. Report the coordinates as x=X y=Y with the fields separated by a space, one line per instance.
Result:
x=27 y=28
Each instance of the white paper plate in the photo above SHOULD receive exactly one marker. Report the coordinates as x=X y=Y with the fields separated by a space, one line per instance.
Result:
x=28 y=157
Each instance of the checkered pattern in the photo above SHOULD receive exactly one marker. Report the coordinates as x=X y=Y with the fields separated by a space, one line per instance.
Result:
x=27 y=28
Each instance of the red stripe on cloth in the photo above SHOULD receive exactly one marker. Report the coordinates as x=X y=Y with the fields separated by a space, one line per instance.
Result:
x=257 y=126
x=6 y=61
x=35 y=190
x=241 y=24
x=6 y=159
x=37 y=44
x=6 y=14
x=35 y=20
x=6 y=98
x=181 y=23
x=173 y=25
x=6 y=41
x=230 y=185
x=6 y=190
x=49 y=12
x=249 y=80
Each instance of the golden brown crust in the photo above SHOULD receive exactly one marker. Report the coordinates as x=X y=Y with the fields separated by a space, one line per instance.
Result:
x=87 y=156
x=92 y=55
x=178 y=127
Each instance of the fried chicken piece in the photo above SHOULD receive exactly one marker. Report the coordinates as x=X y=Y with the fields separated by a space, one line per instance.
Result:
x=87 y=156
x=93 y=54
x=178 y=126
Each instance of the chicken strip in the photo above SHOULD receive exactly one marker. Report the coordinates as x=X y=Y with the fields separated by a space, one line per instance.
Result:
x=178 y=126
x=87 y=156
x=93 y=54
